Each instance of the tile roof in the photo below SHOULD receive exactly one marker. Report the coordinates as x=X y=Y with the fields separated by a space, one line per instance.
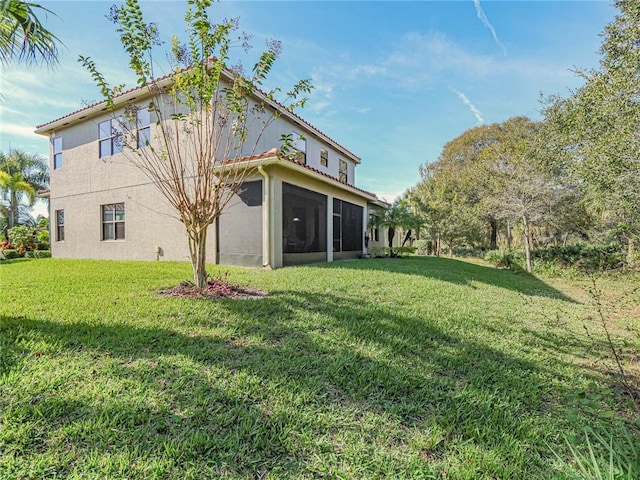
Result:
x=276 y=153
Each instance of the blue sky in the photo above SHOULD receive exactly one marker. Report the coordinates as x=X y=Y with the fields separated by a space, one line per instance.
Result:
x=394 y=81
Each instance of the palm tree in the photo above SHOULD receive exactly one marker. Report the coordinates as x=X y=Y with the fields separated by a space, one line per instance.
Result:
x=22 y=35
x=21 y=176
x=397 y=215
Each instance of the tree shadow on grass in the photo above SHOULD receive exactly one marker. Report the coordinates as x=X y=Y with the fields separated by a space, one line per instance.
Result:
x=455 y=271
x=300 y=385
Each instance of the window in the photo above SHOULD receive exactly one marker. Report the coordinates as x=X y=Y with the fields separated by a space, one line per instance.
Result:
x=299 y=145
x=143 y=120
x=347 y=226
x=113 y=221
x=343 y=171
x=59 y=225
x=324 y=158
x=110 y=137
x=57 y=152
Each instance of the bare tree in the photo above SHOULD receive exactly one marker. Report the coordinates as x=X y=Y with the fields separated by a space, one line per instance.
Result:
x=202 y=115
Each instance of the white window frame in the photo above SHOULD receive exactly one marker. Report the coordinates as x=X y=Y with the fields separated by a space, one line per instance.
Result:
x=299 y=144
x=57 y=152
x=343 y=171
x=143 y=127
x=59 y=225
x=324 y=157
x=111 y=136
x=111 y=234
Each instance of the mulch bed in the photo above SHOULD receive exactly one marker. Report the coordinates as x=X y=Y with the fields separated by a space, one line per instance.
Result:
x=216 y=289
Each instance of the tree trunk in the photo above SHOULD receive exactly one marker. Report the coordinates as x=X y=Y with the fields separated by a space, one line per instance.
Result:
x=198 y=254
x=406 y=237
x=508 y=235
x=631 y=250
x=13 y=209
x=493 y=239
x=390 y=234
x=527 y=242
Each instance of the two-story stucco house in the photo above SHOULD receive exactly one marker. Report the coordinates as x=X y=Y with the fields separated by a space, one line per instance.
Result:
x=287 y=211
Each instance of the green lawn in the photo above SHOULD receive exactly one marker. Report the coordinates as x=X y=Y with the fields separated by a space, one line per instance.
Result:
x=379 y=368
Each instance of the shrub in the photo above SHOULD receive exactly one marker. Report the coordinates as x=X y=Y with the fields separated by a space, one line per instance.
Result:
x=392 y=252
x=9 y=254
x=423 y=247
x=469 y=252
x=38 y=254
x=583 y=257
x=500 y=258
x=24 y=237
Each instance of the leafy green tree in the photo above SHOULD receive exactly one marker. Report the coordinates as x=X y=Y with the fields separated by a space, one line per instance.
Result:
x=21 y=176
x=395 y=216
x=22 y=35
x=444 y=208
x=203 y=113
x=596 y=128
x=526 y=190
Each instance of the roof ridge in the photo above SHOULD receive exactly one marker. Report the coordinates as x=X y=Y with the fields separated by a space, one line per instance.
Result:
x=275 y=152
x=257 y=89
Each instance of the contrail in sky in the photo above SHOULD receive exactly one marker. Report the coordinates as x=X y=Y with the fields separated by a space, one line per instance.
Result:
x=468 y=103
x=483 y=18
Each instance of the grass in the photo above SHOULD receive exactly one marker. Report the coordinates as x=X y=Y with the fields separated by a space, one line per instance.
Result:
x=380 y=368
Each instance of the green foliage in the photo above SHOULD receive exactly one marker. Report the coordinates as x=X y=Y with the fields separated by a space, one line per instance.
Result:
x=23 y=237
x=38 y=254
x=579 y=258
x=21 y=176
x=423 y=247
x=469 y=252
x=608 y=456
x=22 y=35
x=582 y=256
x=595 y=129
x=500 y=258
x=393 y=252
x=9 y=254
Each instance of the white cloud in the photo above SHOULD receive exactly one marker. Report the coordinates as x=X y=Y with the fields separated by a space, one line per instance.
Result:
x=390 y=196
x=483 y=18
x=18 y=130
x=468 y=103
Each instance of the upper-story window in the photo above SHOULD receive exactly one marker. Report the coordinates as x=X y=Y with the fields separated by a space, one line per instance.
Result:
x=143 y=122
x=110 y=137
x=57 y=152
x=299 y=144
x=324 y=157
x=343 y=171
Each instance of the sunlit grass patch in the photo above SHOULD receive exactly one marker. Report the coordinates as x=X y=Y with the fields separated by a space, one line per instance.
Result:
x=389 y=368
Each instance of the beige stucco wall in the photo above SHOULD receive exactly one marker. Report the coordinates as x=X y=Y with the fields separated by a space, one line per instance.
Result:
x=262 y=139
x=247 y=236
x=240 y=227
